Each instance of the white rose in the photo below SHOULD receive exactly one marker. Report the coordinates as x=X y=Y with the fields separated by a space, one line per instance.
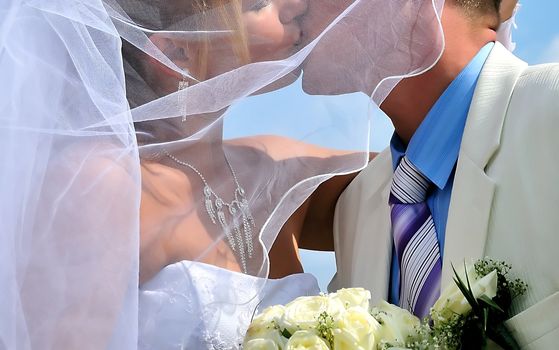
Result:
x=452 y=301
x=269 y=334
x=356 y=329
x=306 y=340
x=303 y=312
x=353 y=297
x=397 y=324
x=269 y=315
x=264 y=327
x=260 y=344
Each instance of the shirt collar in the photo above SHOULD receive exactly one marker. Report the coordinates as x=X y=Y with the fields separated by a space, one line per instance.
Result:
x=435 y=145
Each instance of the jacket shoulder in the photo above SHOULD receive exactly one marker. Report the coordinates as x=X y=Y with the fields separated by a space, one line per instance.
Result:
x=540 y=80
x=536 y=94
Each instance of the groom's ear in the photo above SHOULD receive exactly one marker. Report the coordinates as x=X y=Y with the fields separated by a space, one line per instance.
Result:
x=481 y=12
x=506 y=9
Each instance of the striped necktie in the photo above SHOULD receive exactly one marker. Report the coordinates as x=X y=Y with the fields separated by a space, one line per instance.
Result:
x=415 y=240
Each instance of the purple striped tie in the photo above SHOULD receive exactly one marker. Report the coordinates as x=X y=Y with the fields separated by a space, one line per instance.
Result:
x=415 y=239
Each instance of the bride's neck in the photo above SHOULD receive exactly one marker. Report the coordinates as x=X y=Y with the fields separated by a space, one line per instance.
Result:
x=201 y=145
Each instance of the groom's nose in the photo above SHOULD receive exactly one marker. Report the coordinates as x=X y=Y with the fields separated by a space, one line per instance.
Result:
x=291 y=9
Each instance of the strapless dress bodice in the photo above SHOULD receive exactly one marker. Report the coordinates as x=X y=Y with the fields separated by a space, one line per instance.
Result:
x=190 y=305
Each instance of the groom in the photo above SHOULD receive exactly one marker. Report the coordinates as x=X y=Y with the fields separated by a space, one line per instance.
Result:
x=472 y=171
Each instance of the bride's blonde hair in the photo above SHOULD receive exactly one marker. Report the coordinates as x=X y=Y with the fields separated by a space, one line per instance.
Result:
x=193 y=15
x=230 y=13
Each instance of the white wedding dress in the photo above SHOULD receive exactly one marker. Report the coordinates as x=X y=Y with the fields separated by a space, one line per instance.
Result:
x=180 y=309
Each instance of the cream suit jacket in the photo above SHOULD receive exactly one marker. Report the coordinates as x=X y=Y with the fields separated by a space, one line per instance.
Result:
x=504 y=204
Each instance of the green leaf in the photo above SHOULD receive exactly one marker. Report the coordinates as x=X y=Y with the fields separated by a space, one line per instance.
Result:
x=467 y=279
x=489 y=302
x=475 y=305
x=286 y=333
x=485 y=320
x=466 y=291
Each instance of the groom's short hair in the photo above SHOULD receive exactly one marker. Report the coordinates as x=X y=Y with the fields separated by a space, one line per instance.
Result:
x=480 y=7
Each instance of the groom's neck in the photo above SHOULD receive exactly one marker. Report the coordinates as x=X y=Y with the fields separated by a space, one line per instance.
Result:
x=412 y=99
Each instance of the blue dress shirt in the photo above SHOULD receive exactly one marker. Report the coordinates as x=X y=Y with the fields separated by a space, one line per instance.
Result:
x=434 y=149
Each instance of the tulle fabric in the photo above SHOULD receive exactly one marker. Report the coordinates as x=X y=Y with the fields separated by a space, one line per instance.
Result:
x=85 y=135
x=70 y=195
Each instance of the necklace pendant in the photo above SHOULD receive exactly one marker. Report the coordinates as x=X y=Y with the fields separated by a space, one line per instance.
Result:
x=246 y=211
x=209 y=205
x=219 y=204
x=226 y=229
x=240 y=191
x=247 y=230
x=238 y=238
x=240 y=244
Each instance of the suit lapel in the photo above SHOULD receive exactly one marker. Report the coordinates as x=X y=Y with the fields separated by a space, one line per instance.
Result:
x=364 y=241
x=473 y=190
x=380 y=227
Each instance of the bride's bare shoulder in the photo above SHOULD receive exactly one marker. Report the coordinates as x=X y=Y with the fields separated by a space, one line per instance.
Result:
x=102 y=177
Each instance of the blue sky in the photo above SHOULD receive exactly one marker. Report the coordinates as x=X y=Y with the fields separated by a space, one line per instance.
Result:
x=537 y=39
x=537 y=35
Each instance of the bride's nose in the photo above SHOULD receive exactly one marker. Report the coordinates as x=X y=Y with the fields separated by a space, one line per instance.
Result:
x=291 y=9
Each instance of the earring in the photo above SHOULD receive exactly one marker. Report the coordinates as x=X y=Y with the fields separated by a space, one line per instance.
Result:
x=183 y=84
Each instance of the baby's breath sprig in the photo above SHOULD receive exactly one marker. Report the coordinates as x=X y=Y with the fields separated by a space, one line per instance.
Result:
x=325 y=328
x=507 y=289
x=444 y=335
x=514 y=287
x=486 y=265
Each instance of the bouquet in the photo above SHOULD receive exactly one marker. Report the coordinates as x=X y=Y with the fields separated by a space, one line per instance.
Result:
x=470 y=314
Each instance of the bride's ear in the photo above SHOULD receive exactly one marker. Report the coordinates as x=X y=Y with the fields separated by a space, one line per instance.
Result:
x=182 y=53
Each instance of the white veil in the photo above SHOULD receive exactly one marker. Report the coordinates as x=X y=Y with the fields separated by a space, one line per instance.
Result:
x=101 y=123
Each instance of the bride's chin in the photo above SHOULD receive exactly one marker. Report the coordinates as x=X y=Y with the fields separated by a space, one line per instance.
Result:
x=273 y=52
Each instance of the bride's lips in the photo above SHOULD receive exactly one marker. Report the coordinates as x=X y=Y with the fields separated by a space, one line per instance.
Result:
x=300 y=40
x=296 y=24
x=292 y=36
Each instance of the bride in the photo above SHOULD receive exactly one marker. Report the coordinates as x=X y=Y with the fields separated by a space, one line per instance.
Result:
x=130 y=218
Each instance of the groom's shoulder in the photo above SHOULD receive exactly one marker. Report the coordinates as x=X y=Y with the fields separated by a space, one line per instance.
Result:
x=542 y=75
x=537 y=91
x=541 y=81
x=533 y=109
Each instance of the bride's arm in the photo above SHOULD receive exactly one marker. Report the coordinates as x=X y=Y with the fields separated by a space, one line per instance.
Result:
x=311 y=226
x=317 y=228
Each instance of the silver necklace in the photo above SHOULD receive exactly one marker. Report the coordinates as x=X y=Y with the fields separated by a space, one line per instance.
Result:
x=237 y=232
